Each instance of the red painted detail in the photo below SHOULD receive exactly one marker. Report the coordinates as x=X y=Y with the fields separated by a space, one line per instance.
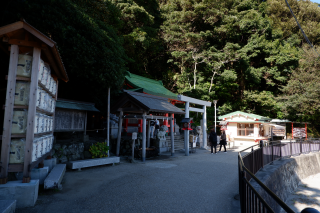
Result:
x=166 y=123
x=140 y=126
x=125 y=124
x=305 y=126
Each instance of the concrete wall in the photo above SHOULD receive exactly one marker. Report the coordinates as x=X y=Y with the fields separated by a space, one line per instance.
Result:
x=284 y=176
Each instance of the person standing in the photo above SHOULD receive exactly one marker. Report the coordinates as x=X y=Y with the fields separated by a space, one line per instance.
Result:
x=223 y=141
x=213 y=141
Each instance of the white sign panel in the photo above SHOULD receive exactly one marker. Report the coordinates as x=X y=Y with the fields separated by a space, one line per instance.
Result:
x=134 y=135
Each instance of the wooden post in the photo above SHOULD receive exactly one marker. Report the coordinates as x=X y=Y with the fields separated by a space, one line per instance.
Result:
x=305 y=126
x=119 y=132
x=204 y=124
x=148 y=135
x=7 y=123
x=144 y=124
x=172 y=134
x=31 y=114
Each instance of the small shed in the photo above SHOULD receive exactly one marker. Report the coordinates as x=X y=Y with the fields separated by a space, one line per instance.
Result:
x=245 y=128
x=134 y=105
x=71 y=115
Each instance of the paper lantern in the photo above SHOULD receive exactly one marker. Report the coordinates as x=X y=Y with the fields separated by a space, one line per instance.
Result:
x=24 y=65
x=21 y=95
x=39 y=147
x=35 y=149
x=41 y=67
x=19 y=122
x=17 y=150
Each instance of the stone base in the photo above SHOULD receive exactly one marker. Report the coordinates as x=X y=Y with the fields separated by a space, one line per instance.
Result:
x=7 y=206
x=92 y=162
x=26 y=194
x=50 y=163
x=163 y=149
x=35 y=174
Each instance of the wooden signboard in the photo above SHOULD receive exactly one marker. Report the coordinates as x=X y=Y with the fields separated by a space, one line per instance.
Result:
x=278 y=131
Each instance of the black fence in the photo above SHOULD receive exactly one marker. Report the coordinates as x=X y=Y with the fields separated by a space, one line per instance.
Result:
x=259 y=156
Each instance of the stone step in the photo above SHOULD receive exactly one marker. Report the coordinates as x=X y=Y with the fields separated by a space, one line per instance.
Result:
x=92 y=162
x=7 y=206
x=53 y=181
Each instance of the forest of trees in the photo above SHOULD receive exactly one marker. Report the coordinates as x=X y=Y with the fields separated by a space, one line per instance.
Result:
x=250 y=55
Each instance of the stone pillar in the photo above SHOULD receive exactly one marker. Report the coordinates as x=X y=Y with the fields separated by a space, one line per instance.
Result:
x=204 y=125
x=148 y=135
x=186 y=132
x=119 y=132
x=144 y=132
x=172 y=134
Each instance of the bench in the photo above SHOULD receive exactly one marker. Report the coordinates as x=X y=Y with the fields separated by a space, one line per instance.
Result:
x=92 y=162
x=53 y=180
x=7 y=206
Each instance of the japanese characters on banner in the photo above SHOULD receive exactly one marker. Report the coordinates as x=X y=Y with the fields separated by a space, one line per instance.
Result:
x=299 y=132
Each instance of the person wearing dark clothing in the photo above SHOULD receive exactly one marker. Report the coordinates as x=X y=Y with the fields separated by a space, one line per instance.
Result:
x=213 y=141
x=223 y=141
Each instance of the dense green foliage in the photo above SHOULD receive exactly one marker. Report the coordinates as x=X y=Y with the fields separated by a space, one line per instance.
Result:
x=247 y=54
x=87 y=36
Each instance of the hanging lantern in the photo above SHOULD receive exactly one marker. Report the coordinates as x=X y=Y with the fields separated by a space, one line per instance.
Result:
x=186 y=123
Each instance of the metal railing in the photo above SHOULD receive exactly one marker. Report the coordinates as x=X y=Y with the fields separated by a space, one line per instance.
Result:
x=261 y=155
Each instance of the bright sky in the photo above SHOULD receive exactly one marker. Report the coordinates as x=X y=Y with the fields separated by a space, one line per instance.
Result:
x=316 y=1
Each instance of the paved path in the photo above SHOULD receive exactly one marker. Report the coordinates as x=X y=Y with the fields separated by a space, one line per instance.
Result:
x=201 y=182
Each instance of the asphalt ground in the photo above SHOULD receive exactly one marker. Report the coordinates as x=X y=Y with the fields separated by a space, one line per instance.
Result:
x=200 y=182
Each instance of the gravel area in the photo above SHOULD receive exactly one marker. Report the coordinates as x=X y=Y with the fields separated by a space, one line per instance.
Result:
x=306 y=195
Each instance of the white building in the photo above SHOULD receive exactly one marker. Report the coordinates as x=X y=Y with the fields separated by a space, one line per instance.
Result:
x=247 y=129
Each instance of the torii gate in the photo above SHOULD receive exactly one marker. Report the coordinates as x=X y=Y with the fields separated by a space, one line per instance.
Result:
x=204 y=104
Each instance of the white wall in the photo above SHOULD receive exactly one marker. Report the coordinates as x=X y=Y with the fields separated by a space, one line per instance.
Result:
x=232 y=129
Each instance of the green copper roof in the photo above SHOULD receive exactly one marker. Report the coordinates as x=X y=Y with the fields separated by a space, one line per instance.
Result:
x=261 y=118
x=149 y=86
x=77 y=105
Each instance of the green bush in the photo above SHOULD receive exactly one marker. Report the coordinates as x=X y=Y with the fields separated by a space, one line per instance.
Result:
x=99 y=150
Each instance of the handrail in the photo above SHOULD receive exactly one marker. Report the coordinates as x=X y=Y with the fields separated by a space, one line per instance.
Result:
x=259 y=196
x=273 y=195
x=304 y=146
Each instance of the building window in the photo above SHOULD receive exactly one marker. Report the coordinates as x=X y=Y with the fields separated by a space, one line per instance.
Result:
x=245 y=129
